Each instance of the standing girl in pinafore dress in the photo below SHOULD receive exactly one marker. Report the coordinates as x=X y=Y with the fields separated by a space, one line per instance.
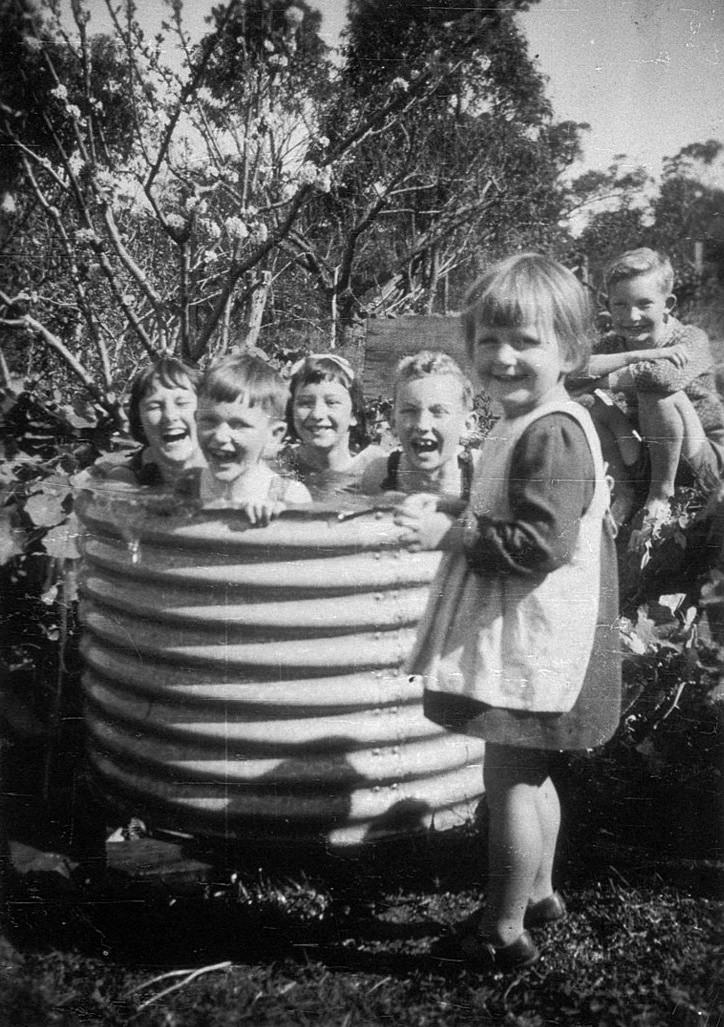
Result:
x=519 y=644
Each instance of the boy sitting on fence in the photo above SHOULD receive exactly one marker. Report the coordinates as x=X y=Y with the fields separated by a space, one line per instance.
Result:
x=664 y=371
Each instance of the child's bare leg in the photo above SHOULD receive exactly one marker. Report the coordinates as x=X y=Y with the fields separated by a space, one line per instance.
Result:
x=673 y=430
x=621 y=449
x=611 y=422
x=549 y=817
x=516 y=844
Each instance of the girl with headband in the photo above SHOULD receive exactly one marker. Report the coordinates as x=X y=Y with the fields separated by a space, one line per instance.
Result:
x=326 y=422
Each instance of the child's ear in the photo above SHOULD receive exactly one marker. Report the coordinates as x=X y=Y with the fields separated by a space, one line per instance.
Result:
x=278 y=429
x=670 y=303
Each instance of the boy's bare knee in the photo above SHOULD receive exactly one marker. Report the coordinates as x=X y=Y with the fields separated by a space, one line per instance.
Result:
x=678 y=415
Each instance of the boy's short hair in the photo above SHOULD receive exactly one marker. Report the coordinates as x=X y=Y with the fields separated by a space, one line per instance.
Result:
x=433 y=362
x=529 y=288
x=245 y=377
x=637 y=262
x=171 y=373
x=328 y=367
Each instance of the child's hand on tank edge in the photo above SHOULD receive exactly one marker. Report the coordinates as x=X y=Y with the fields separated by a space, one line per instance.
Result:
x=261 y=512
x=418 y=503
x=424 y=529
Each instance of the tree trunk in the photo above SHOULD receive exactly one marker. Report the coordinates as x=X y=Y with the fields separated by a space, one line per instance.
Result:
x=432 y=279
x=351 y=338
x=256 y=304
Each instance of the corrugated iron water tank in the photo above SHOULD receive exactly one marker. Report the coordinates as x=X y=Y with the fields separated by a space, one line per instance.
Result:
x=248 y=682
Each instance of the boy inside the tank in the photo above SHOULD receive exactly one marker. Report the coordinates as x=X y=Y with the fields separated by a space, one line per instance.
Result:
x=240 y=418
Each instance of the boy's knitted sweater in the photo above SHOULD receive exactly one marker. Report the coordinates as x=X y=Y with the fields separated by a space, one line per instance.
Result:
x=696 y=378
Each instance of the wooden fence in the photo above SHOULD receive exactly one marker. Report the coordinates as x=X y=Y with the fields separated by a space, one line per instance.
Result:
x=385 y=341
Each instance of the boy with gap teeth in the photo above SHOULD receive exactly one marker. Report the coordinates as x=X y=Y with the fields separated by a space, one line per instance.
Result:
x=432 y=410
x=240 y=418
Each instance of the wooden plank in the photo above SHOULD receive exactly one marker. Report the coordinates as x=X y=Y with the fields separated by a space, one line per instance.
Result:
x=139 y=859
x=391 y=339
x=147 y=859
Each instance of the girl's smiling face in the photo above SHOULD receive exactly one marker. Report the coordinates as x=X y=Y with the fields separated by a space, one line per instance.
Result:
x=322 y=413
x=167 y=414
x=519 y=367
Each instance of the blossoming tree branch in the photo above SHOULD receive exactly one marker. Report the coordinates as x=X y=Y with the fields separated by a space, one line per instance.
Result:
x=158 y=190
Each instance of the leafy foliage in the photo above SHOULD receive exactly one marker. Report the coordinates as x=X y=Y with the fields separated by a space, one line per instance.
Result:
x=627 y=209
x=456 y=179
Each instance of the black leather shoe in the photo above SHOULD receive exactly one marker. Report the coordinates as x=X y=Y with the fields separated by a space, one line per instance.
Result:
x=546 y=911
x=489 y=957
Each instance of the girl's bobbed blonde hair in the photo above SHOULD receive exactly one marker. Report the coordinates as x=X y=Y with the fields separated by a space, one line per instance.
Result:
x=531 y=289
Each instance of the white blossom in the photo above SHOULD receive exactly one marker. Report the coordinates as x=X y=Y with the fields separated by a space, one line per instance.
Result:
x=324 y=180
x=105 y=181
x=206 y=97
x=308 y=173
x=294 y=15
x=60 y=92
x=85 y=236
x=236 y=228
x=278 y=60
x=260 y=233
x=76 y=163
x=399 y=83
x=8 y=205
x=176 y=222
x=211 y=227
x=323 y=142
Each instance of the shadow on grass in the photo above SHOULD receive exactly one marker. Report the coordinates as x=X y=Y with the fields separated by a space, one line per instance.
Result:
x=378 y=910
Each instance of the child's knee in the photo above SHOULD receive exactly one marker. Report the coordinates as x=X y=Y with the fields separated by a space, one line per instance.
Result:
x=675 y=406
x=678 y=419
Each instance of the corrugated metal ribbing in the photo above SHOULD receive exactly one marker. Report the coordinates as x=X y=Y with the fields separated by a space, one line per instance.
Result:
x=248 y=682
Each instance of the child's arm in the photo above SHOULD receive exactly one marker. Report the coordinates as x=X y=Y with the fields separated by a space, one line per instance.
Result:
x=602 y=364
x=551 y=485
x=663 y=377
x=261 y=512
